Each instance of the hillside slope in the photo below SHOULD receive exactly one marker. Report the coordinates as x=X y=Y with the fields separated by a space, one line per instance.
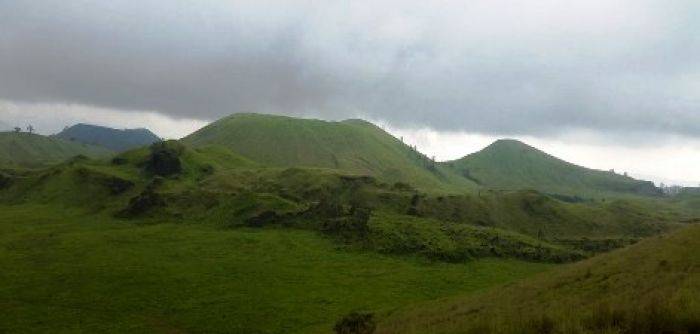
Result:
x=510 y=164
x=170 y=181
x=352 y=145
x=650 y=287
x=113 y=139
x=31 y=150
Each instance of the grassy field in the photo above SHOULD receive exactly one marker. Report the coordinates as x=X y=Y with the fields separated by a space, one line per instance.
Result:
x=78 y=272
x=648 y=288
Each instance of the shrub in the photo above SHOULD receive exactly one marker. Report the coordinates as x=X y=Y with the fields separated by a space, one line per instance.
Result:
x=164 y=159
x=401 y=186
x=5 y=181
x=206 y=169
x=356 y=323
x=353 y=226
x=117 y=185
x=264 y=218
x=413 y=210
x=144 y=202
x=326 y=208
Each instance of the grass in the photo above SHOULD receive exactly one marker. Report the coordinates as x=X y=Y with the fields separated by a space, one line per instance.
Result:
x=78 y=272
x=400 y=234
x=538 y=215
x=32 y=150
x=220 y=187
x=183 y=258
x=351 y=146
x=650 y=287
x=510 y=164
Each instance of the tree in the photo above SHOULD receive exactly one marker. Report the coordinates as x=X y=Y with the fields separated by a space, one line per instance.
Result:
x=18 y=129
x=30 y=128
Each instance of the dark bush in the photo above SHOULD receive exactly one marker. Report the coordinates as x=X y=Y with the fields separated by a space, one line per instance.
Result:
x=165 y=158
x=144 y=202
x=326 y=208
x=5 y=181
x=207 y=169
x=264 y=218
x=413 y=209
x=401 y=186
x=356 y=323
x=117 y=185
x=352 y=226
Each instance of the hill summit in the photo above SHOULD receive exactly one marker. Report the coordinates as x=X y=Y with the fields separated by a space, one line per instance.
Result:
x=511 y=164
x=352 y=145
x=113 y=139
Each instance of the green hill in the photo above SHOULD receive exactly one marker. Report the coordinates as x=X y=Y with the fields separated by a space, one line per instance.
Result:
x=510 y=164
x=203 y=231
x=31 y=150
x=651 y=287
x=112 y=139
x=170 y=181
x=352 y=145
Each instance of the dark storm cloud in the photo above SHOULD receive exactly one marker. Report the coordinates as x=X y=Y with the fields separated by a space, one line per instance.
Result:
x=501 y=67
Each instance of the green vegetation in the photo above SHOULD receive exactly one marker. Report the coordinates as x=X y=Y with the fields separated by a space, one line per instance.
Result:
x=76 y=271
x=458 y=242
x=651 y=287
x=113 y=139
x=510 y=164
x=169 y=181
x=352 y=146
x=32 y=150
x=266 y=224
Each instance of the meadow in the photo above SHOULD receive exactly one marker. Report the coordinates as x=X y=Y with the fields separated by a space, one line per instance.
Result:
x=648 y=288
x=68 y=271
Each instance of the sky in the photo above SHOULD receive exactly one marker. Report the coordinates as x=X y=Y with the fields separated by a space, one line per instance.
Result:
x=609 y=84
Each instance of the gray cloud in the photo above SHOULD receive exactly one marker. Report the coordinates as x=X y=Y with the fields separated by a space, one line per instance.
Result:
x=497 y=67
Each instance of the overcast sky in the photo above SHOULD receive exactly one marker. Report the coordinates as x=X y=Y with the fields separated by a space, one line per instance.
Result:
x=607 y=84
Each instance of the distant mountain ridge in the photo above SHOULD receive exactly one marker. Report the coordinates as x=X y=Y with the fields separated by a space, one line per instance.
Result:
x=113 y=139
x=511 y=164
